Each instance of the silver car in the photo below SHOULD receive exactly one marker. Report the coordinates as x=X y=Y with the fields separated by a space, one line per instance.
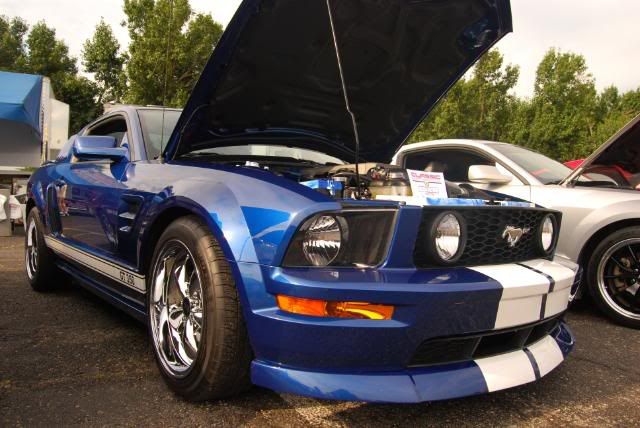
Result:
x=601 y=208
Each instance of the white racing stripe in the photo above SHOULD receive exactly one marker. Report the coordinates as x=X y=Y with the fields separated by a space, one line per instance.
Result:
x=516 y=368
x=526 y=295
x=547 y=354
x=558 y=298
x=506 y=370
x=522 y=293
x=111 y=270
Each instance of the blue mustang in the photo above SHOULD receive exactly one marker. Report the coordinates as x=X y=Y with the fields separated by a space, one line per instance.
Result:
x=260 y=244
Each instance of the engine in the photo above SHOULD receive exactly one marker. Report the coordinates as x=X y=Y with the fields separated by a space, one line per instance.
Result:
x=376 y=181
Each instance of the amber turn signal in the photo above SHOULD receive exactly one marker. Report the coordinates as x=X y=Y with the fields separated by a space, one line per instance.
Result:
x=323 y=308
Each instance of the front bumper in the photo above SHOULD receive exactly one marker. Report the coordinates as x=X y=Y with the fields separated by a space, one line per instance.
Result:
x=370 y=360
x=423 y=384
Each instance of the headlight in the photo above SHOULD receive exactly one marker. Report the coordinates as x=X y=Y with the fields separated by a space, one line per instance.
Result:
x=322 y=240
x=447 y=238
x=347 y=238
x=548 y=233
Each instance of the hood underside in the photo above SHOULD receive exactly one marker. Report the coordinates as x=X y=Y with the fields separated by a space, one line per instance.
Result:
x=618 y=158
x=274 y=75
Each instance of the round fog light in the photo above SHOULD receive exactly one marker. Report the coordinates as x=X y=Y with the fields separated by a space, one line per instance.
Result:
x=447 y=237
x=547 y=232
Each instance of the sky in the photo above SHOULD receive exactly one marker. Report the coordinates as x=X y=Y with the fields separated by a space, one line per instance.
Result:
x=604 y=31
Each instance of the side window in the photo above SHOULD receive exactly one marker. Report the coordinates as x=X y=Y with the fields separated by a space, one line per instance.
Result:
x=453 y=163
x=116 y=127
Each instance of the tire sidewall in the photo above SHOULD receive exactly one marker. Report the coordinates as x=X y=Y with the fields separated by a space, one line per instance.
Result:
x=44 y=262
x=595 y=292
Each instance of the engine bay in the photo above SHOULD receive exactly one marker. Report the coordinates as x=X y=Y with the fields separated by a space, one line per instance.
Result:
x=364 y=181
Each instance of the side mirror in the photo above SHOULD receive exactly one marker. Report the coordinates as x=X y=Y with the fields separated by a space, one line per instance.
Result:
x=486 y=174
x=93 y=147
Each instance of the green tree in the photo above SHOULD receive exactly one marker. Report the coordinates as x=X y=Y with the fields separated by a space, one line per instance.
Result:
x=12 y=49
x=101 y=56
x=607 y=102
x=630 y=103
x=564 y=107
x=489 y=90
x=80 y=93
x=48 y=56
x=169 y=47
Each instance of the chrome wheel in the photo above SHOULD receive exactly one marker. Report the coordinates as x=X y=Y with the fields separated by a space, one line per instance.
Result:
x=619 y=278
x=31 y=250
x=176 y=308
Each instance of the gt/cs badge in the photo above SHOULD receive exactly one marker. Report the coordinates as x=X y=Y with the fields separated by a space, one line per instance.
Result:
x=514 y=234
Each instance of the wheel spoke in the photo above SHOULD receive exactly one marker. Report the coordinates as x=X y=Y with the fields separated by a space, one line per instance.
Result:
x=194 y=284
x=181 y=278
x=622 y=275
x=189 y=334
x=177 y=343
x=161 y=327
x=620 y=265
x=633 y=256
x=197 y=315
x=176 y=317
x=159 y=286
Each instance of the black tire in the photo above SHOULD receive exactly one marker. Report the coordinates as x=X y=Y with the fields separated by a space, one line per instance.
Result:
x=220 y=366
x=608 y=293
x=40 y=268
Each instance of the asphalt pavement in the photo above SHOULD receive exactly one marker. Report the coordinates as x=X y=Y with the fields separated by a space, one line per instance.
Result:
x=68 y=358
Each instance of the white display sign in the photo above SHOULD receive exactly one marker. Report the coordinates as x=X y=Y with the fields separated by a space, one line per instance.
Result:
x=427 y=184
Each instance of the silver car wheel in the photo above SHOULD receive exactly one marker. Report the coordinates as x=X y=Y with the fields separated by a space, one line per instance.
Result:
x=176 y=308
x=31 y=250
x=619 y=278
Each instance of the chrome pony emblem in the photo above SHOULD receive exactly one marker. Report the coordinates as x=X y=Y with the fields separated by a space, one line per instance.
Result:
x=514 y=234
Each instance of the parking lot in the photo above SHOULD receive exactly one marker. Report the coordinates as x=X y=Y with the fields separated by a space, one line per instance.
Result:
x=68 y=359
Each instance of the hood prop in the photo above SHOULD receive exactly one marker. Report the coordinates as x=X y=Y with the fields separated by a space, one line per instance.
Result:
x=346 y=99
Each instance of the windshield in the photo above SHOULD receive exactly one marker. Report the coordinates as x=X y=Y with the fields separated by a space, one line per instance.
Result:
x=543 y=168
x=271 y=151
x=155 y=135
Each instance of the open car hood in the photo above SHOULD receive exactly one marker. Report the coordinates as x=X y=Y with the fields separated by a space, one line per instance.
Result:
x=620 y=154
x=274 y=74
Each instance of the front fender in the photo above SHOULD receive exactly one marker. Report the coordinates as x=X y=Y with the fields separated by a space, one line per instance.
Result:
x=597 y=220
x=253 y=214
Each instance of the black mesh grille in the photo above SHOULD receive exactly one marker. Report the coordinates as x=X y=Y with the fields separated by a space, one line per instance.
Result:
x=485 y=241
x=466 y=348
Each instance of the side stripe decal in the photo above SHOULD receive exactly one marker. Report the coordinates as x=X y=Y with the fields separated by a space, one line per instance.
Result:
x=111 y=270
